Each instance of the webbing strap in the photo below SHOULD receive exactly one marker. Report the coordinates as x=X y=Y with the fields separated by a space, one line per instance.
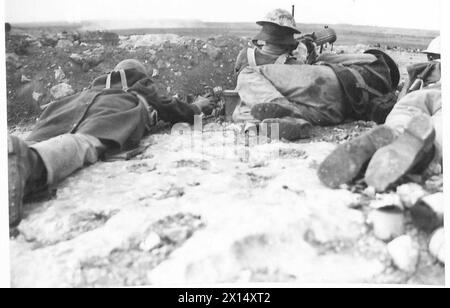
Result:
x=123 y=79
x=361 y=83
x=383 y=79
x=108 y=81
x=152 y=113
x=251 y=57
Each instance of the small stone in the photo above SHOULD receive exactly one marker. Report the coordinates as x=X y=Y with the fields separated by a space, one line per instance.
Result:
x=64 y=44
x=37 y=96
x=404 y=253
x=59 y=74
x=370 y=192
x=428 y=212
x=437 y=245
x=61 y=90
x=76 y=58
x=151 y=242
x=410 y=193
x=387 y=200
x=388 y=223
x=25 y=79
x=213 y=53
x=176 y=235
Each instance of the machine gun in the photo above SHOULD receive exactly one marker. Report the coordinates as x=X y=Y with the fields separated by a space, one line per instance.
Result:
x=321 y=38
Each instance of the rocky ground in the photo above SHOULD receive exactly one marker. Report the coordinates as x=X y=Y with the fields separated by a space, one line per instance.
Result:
x=214 y=211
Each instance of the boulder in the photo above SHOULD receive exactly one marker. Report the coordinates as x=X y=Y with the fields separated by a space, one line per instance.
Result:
x=387 y=222
x=410 y=193
x=61 y=90
x=404 y=253
x=76 y=58
x=428 y=212
x=437 y=245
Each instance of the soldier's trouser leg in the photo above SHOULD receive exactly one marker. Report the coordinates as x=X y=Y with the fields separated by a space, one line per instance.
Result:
x=427 y=102
x=67 y=153
x=309 y=92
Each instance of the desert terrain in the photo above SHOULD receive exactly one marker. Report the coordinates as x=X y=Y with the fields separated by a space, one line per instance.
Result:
x=221 y=212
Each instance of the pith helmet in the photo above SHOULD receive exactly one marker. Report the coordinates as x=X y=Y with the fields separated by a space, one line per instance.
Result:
x=393 y=67
x=280 y=18
x=131 y=64
x=434 y=47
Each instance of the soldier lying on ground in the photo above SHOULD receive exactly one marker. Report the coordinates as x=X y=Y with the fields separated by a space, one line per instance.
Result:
x=335 y=88
x=409 y=142
x=111 y=116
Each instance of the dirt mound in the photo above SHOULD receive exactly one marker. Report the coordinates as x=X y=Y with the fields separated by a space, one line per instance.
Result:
x=179 y=65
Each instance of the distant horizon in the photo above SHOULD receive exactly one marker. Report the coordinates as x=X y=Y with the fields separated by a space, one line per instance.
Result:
x=401 y=14
x=195 y=23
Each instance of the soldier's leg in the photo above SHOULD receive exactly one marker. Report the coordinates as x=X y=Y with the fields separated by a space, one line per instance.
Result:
x=308 y=92
x=33 y=168
x=417 y=121
x=67 y=153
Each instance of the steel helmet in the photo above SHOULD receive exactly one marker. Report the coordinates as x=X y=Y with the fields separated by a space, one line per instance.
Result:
x=280 y=18
x=131 y=64
x=434 y=47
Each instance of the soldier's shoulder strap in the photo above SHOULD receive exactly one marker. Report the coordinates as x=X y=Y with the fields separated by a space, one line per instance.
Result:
x=251 y=57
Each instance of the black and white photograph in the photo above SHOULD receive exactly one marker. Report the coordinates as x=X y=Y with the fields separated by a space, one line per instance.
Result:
x=171 y=143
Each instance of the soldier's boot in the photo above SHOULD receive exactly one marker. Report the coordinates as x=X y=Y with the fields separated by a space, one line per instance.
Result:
x=345 y=163
x=288 y=128
x=410 y=149
x=279 y=108
x=24 y=167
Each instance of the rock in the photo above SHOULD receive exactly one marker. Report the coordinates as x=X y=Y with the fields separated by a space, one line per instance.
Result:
x=59 y=74
x=437 y=245
x=388 y=223
x=213 y=53
x=151 y=242
x=99 y=37
x=370 y=192
x=410 y=193
x=428 y=213
x=49 y=40
x=155 y=73
x=387 y=200
x=404 y=253
x=25 y=79
x=37 y=96
x=76 y=58
x=176 y=235
x=61 y=90
x=13 y=60
x=85 y=67
x=62 y=44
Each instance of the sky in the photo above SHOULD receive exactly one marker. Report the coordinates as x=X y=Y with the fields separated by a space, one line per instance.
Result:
x=389 y=13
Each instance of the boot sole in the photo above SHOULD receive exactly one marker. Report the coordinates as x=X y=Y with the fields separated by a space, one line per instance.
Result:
x=391 y=163
x=16 y=183
x=345 y=163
